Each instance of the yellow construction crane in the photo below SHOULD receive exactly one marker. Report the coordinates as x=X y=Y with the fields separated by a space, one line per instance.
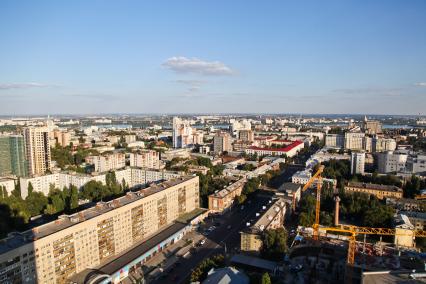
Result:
x=316 y=177
x=352 y=231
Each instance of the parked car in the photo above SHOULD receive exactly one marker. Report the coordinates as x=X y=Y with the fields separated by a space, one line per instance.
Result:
x=203 y=241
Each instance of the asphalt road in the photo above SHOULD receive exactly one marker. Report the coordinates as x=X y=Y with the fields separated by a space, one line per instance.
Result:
x=216 y=240
x=222 y=236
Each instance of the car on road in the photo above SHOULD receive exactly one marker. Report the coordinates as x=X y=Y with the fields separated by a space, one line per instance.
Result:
x=242 y=207
x=229 y=227
x=296 y=267
x=202 y=242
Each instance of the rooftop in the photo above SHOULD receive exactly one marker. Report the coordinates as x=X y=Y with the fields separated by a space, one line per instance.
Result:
x=373 y=186
x=265 y=218
x=224 y=192
x=17 y=239
x=283 y=149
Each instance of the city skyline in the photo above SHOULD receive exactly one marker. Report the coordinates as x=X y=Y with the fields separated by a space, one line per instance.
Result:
x=240 y=57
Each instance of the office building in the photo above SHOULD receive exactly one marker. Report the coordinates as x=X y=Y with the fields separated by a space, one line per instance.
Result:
x=145 y=159
x=358 y=141
x=107 y=162
x=379 y=190
x=37 y=147
x=222 y=142
x=12 y=156
x=237 y=126
x=272 y=217
x=357 y=163
x=89 y=239
x=354 y=141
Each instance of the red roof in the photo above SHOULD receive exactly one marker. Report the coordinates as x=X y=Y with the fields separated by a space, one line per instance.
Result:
x=284 y=149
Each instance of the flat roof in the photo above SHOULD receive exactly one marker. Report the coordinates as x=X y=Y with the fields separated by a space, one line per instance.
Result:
x=374 y=186
x=65 y=221
x=283 y=149
x=290 y=186
x=119 y=261
x=255 y=262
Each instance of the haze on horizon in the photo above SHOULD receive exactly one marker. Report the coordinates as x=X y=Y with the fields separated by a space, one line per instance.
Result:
x=84 y=57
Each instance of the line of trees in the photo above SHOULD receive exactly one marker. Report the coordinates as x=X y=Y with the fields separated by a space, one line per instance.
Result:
x=15 y=212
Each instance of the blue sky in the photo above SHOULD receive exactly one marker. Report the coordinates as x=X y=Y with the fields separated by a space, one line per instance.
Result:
x=85 y=57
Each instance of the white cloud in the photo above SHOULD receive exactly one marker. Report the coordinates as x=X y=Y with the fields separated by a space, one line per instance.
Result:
x=181 y=64
x=420 y=84
x=23 y=86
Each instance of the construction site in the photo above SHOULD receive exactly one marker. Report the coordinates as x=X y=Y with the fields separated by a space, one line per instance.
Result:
x=346 y=253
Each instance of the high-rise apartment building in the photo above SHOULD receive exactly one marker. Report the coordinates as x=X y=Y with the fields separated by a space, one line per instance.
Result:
x=37 y=147
x=357 y=162
x=12 y=156
x=222 y=142
x=145 y=159
x=246 y=135
x=55 y=251
x=184 y=135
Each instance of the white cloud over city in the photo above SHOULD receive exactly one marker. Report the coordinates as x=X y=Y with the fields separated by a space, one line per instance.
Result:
x=185 y=65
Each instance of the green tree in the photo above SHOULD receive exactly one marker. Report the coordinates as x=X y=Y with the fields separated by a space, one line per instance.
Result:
x=73 y=199
x=265 y=278
x=274 y=244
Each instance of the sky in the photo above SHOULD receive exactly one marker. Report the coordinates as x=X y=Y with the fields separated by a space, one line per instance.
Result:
x=93 y=57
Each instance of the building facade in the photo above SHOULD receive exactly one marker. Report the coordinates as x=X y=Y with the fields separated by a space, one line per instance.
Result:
x=37 y=149
x=12 y=156
x=145 y=159
x=222 y=142
x=107 y=162
x=271 y=218
x=53 y=252
x=379 y=190
x=357 y=163
x=223 y=199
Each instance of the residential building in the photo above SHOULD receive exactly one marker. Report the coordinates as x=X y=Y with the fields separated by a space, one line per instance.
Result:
x=222 y=142
x=12 y=156
x=130 y=138
x=357 y=162
x=63 y=138
x=145 y=159
x=37 y=149
x=8 y=184
x=175 y=153
x=335 y=141
x=271 y=218
x=401 y=161
x=237 y=126
x=389 y=162
x=383 y=144
x=246 y=135
x=107 y=162
x=184 y=135
x=379 y=190
x=291 y=191
x=133 y=177
x=354 y=141
x=301 y=177
x=223 y=199
x=56 y=251
x=372 y=126
x=290 y=150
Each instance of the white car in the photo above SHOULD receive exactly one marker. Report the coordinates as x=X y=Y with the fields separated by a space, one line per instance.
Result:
x=203 y=241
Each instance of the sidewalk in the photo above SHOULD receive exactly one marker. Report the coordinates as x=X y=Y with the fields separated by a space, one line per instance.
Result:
x=160 y=258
